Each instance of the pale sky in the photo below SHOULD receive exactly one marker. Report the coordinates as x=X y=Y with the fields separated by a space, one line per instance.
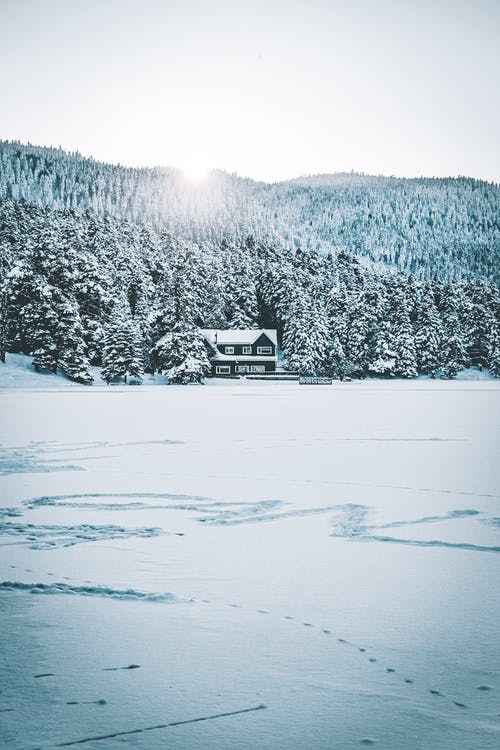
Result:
x=270 y=89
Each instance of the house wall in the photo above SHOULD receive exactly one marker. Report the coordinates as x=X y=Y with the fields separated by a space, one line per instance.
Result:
x=268 y=366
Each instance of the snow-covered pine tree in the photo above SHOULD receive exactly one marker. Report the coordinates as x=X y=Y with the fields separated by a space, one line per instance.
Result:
x=384 y=356
x=242 y=307
x=406 y=363
x=122 y=356
x=72 y=357
x=43 y=340
x=494 y=351
x=402 y=341
x=306 y=339
x=454 y=352
x=183 y=356
x=185 y=293
x=479 y=320
x=3 y=322
x=357 y=336
x=428 y=333
x=336 y=364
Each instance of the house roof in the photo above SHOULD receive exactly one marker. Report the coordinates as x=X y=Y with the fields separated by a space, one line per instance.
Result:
x=216 y=336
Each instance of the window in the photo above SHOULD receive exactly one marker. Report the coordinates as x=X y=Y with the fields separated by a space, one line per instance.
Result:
x=229 y=349
x=257 y=368
x=264 y=350
x=247 y=350
x=241 y=368
x=223 y=370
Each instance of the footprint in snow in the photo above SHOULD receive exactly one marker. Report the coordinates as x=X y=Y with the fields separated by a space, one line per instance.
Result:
x=326 y=631
x=308 y=624
x=372 y=659
x=44 y=674
x=262 y=611
x=484 y=688
x=368 y=741
x=362 y=649
x=289 y=617
x=390 y=669
x=115 y=669
x=460 y=705
x=435 y=692
x=409 y=682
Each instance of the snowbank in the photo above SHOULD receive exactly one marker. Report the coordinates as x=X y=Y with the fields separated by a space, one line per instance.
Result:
x=17 y=372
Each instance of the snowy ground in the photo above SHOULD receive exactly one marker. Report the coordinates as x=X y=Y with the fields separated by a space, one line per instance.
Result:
x=249 y=565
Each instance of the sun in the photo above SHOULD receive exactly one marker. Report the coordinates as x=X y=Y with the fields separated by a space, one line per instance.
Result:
x=194 y=171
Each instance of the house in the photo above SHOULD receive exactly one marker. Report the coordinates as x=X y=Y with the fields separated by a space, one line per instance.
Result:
x=241 y=351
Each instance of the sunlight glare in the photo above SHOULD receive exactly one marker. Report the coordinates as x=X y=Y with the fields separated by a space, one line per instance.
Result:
x=194 y=171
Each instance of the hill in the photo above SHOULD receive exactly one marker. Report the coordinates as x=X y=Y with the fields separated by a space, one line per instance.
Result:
x=359 y=275
x=448 y=228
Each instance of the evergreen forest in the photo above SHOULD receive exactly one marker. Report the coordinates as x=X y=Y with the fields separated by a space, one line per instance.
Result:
x=362 y=276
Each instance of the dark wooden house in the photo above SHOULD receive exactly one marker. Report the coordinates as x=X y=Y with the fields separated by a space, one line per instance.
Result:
x=241 y=351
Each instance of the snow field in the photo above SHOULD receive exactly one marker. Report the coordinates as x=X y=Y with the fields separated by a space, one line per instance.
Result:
x=324 y=559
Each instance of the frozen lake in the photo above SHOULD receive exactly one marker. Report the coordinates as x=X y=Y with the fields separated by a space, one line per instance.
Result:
x=250 y=566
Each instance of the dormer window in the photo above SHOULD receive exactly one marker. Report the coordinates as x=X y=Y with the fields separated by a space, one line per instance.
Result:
x=229 y=350
x=247 y=350
x=264 y=350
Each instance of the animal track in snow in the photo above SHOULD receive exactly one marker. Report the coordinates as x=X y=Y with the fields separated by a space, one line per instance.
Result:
x=130 y=594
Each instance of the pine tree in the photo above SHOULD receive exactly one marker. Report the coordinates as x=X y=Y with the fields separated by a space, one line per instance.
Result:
x=183 y=356
x=454 y=353
x=428 y=334
x=384 y=358
x=241 y=294
x=357 y=336
x=185 y=293
x=403 y=341
x=3 y=323
x=406 y=363
x=122 y=356
x=42 y=319
x=478 y=322
x=494 y=351
x=72 y=356
x=336 y=363
x=305 y=338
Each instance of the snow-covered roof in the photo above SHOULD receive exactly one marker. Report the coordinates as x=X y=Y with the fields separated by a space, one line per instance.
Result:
x=216 y=336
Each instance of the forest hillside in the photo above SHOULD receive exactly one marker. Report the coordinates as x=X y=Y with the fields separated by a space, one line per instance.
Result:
x=366 y=276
